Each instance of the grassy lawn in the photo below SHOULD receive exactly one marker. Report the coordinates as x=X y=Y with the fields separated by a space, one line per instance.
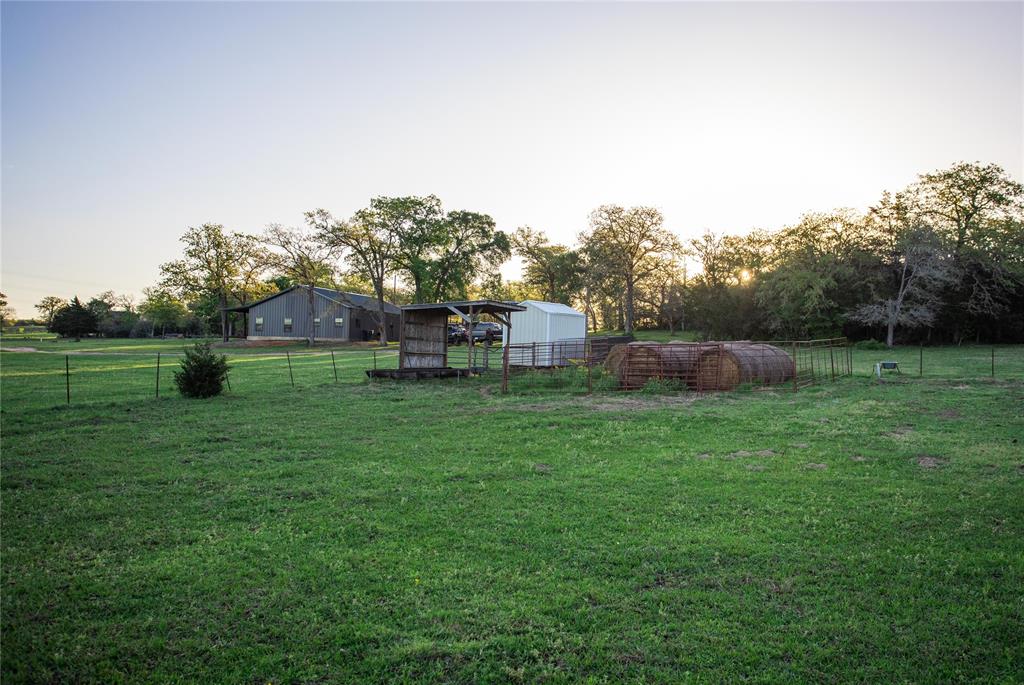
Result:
x=439 y=531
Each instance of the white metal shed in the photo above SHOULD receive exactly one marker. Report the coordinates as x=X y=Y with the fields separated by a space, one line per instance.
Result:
x=546 y=322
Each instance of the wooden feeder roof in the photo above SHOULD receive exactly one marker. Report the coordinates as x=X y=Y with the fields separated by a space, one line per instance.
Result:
x=465 y=306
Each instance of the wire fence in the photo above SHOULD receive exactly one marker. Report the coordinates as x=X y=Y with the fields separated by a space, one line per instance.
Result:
x=571 y=366
x=44 y=379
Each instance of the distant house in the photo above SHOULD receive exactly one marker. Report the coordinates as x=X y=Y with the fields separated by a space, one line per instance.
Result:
x=337 y=316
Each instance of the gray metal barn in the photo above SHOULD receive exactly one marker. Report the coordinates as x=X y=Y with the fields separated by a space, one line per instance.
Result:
x=338 y=316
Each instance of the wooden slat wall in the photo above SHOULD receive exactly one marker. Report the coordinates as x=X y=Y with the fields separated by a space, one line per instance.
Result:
x=424 y=340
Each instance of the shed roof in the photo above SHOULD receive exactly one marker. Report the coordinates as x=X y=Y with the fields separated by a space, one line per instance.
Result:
x=552 y=307
x=350 y=299
x=464 y=306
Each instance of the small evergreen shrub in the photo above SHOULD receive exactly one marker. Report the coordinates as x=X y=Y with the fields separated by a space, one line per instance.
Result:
x=202 y=372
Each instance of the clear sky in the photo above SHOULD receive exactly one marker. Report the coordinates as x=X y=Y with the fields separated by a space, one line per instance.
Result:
x=123 y=123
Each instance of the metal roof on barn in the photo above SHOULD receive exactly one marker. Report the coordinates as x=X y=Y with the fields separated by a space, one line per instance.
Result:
x=356 y=300
x=466 y=306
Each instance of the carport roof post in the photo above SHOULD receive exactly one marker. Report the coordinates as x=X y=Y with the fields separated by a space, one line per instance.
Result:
x=462 y=307
x=466 y=309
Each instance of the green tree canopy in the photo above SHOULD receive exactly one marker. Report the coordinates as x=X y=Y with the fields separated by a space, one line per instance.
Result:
x=74 y=320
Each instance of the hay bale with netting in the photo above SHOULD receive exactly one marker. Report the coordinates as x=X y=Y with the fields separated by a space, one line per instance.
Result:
x=637 y=363
x=728 y=365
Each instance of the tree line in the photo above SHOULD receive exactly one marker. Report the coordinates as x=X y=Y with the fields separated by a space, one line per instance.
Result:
x=941 y=260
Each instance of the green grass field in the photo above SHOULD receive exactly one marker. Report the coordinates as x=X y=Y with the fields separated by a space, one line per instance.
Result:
x=442 y=532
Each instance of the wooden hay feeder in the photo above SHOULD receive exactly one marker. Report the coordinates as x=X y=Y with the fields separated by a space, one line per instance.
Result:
x=423 y=340
x=728 y=365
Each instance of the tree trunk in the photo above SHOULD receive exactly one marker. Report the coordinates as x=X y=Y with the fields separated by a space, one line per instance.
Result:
x=224 y=316
x=378 y=289
x=417 y=289
x=889 y=334
x=628 y=328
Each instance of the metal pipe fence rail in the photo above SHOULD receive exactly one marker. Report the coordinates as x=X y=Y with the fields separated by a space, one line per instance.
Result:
x=576 y=365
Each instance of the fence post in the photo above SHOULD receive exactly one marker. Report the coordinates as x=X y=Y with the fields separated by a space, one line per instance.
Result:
x=590 y=377
x=794 y=366
x=718 y=375
x=504 y=370
x=832 y=360
x=335 y=367
x=375 y=359
x=67 y=376
x=288 y=355
x=158 y=375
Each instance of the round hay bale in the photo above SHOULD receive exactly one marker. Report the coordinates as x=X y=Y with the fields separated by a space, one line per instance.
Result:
x=724 y=366
x=614 y=357
x=638 y=363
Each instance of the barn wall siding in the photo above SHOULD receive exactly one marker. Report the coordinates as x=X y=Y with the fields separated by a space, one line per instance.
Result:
x=294 y=305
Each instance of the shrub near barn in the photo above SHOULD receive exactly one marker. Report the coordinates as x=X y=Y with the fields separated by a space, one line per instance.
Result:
x=203 y=372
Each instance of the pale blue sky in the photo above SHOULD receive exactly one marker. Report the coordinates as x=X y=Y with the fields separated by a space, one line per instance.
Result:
x=124 y=123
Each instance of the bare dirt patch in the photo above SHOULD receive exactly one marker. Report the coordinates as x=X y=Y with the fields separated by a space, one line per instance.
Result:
x=816 y=467
x=858 y=457
x=756 y=467
x=949 y=414
x=801 y=445
x=742 y=454
x=928 y=462
x=543 y=469
x=900 y=432
x=634 y=402
x=704 y=456
x=620 y=403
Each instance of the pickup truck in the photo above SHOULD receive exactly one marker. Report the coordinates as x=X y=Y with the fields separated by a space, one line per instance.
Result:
x=486 y=331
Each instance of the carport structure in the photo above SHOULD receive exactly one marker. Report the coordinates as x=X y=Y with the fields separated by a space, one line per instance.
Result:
x=423 y=336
